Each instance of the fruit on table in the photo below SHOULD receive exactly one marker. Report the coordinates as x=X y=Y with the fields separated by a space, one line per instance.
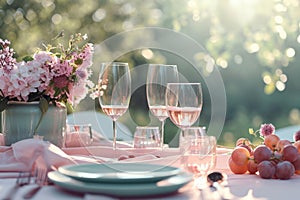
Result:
x=237 y=169
x=284 y=170
x=297 y=145
x=297 y=136
x=290 y=153
x=271 y=141
x=240 y=155
x=281 y=144
x=275 y=158
x=252 y=166
x=261 y=153
x=266 y=169
x=296 y=164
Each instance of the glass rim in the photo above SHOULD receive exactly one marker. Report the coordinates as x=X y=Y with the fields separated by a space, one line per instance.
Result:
x=115 y=63
x=195 y=127
x=147 y=127
x=159 y=64
x=184 y=83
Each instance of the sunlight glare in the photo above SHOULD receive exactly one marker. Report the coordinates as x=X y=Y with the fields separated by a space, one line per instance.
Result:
x=254 y=47
x=99 y=14
x=267 y=79
x=222 y=63
x=280 y=8
x=244 y=8
x=290 y=52
x=278 y=19
x=294 y=115
x=283 y=78
x=147 y=53
x=281 y=32
x=280 y=85
x=56 y=19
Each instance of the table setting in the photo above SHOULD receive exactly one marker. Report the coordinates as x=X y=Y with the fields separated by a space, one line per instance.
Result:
x=42 y=155
x=234 y=186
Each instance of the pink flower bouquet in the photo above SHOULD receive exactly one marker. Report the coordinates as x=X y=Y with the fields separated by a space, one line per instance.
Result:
x=55 y=75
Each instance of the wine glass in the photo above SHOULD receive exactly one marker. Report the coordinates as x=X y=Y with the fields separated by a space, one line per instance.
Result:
x=114 y=91
x=146 y=137
x=78 y=135
x=184 y=103
x=189 y=134
x=199 y=158
x=157 y=78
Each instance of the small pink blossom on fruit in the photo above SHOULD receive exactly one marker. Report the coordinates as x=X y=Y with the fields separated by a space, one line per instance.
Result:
x=266 y=129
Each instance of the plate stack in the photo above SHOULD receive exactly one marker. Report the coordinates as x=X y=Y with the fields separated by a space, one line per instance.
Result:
x=120 y=179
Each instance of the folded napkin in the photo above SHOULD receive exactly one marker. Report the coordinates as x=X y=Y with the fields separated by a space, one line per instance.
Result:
x=23 y=155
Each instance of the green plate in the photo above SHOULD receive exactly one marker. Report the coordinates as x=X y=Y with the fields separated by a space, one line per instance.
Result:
x=163 y=187
x=119 y=172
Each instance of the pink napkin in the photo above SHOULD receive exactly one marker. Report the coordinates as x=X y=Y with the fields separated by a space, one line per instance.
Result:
x=23 y=155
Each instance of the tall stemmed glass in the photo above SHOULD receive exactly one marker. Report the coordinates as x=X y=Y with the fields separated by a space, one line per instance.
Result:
x=157 y=78
x=184 y=103
x=114 y=91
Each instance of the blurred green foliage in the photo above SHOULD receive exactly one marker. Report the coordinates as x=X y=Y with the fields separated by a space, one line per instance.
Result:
x=254 y=43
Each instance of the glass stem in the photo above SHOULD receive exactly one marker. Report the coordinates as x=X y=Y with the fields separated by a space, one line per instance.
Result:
x=114 y=135
x=162 y=133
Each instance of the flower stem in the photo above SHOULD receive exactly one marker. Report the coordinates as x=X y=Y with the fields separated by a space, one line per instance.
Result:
x=38 y=124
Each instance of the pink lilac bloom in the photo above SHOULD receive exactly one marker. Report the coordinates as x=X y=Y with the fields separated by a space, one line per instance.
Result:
x=43 y=57
x=61 y=67
x=86 y=55
x=61 y=81
x=266 y=129
x=7 y=61
x=24 y=79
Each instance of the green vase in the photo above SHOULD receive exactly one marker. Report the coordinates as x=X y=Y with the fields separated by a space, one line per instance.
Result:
x=20 y=119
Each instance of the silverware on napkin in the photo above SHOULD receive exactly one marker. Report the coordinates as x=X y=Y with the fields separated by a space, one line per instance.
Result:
x=23 y=179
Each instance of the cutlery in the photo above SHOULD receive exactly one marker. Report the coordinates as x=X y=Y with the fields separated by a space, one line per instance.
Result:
x=215 y=180
x=23 y=179
x=41 y=179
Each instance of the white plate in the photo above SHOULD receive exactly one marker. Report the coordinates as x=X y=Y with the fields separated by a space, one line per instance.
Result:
x=119 y=172
x=162 y=187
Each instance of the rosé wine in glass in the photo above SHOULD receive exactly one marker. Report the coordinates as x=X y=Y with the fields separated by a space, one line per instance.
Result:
x=158 y=76
x=184 y=103
x=114 y=111
x=114 y=91
x=184 y=116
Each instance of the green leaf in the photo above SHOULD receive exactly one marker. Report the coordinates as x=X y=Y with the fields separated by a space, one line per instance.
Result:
x=27 y=58
x=70 y=108
x=251 y=131
x=43 y=104
x=3 y=104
